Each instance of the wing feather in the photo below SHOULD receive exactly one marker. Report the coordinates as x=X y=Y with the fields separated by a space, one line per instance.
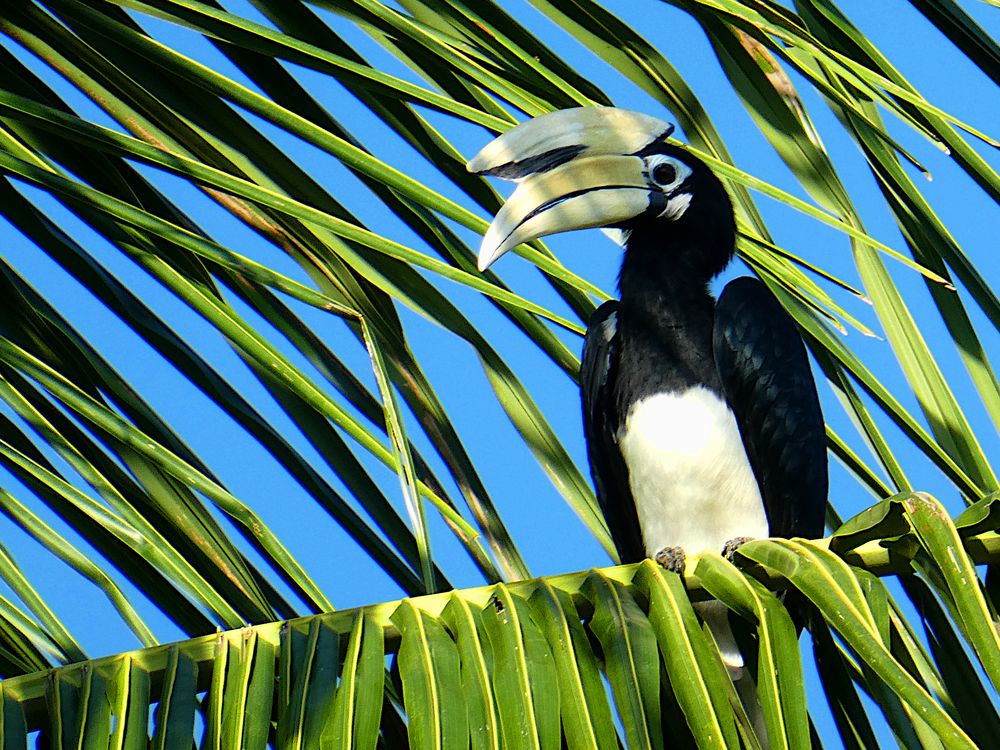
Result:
x=597 y=373
x=770 y=388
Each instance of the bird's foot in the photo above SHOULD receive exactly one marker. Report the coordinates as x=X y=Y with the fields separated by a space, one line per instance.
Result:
x=672 y=559
x=730 y=547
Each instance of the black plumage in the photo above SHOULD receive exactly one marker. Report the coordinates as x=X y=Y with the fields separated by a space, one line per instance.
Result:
x=770 y=388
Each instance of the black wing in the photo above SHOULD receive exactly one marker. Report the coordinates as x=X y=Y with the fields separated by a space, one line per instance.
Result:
x=597 y=374
x=770 y=388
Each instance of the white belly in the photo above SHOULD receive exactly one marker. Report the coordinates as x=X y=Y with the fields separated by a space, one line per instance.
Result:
x=689 y=473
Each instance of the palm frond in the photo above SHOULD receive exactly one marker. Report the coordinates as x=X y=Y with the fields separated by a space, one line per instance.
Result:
x=523 y=663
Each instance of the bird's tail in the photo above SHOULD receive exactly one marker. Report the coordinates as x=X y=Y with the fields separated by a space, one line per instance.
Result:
x=716 y=616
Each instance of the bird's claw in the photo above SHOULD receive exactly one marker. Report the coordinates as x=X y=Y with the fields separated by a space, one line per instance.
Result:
x=672 y=559
x=729 y=549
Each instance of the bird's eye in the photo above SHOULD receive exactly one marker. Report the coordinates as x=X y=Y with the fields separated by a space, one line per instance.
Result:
x=664 y=173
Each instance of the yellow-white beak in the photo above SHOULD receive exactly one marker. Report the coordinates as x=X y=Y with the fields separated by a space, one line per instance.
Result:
x=576 y=168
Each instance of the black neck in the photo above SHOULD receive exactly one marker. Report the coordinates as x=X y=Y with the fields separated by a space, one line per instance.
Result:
x=667 y=316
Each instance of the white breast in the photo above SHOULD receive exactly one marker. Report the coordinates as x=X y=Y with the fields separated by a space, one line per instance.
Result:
x=689 y=473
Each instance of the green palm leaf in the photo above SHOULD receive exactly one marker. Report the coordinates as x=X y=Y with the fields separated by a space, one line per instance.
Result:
x=444 y=644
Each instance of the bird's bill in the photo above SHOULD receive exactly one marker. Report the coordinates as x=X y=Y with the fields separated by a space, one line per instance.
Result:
x=577 y=168
x=594 y=191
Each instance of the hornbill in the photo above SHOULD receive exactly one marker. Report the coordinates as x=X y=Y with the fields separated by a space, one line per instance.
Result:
x=702 y=421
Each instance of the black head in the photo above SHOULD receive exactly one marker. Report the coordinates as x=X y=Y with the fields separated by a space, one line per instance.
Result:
x=695 y=230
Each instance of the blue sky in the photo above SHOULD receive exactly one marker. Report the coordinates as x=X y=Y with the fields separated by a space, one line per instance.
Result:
x=546 y=530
